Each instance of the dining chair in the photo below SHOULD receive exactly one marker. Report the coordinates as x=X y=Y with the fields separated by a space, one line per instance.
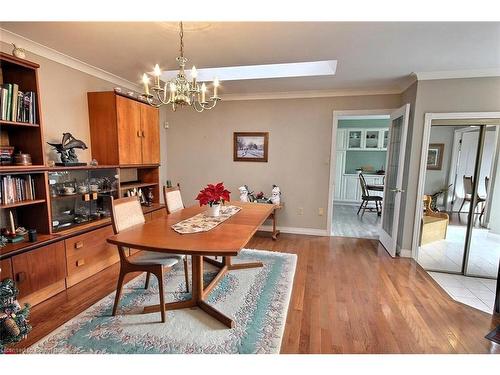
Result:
x=173 y=202
x=127 y=213
x=366 y=198
x=468 y=182
x=173 y=198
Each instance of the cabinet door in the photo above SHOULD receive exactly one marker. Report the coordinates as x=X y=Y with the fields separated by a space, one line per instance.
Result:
x=40 y=273
x=355 y=139
x=5 y=269
x=339 y=175
x=150 y=132
x=128 y=113
x=351 y=189
x=372 y=139
x=384 y=139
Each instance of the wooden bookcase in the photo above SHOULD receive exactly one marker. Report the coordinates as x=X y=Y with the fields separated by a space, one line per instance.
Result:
x=26 y=138
x=56 y=261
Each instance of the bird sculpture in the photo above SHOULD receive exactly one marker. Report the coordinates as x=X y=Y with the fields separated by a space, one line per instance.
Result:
x=66 y=149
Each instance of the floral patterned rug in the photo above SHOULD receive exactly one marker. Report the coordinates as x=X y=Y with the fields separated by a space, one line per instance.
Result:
x=257 y=299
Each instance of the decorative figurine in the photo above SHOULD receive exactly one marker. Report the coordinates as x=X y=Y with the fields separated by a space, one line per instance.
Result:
x=276 y=195
x=66 y=150
x=149 y=198
x=243 y=193
x=20 y=53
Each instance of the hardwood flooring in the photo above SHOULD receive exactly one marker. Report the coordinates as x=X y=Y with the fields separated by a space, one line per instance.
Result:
x=349 y=296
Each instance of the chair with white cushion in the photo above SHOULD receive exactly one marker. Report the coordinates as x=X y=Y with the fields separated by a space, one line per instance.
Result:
x=173 y=198
x=127 y=213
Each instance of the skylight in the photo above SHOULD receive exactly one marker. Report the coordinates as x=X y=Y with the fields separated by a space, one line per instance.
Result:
x=235 y=73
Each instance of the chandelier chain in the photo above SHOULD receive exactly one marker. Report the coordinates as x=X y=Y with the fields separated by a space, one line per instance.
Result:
x=181 y=34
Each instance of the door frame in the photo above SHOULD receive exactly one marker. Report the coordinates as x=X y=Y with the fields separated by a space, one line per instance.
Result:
x=428 y=117
x=338 y=115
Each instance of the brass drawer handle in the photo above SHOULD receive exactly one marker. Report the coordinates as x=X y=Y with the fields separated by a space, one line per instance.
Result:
x=80 y=262
x=138 y=133
x=20 y=277
x=78 y=245
x=143 y=134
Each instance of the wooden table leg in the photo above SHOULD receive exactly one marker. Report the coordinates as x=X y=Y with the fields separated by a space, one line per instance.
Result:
x=199 y=293
x=276 y=232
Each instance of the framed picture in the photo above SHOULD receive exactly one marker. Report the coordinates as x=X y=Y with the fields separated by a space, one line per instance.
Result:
x=250 y=146
x=435 y=156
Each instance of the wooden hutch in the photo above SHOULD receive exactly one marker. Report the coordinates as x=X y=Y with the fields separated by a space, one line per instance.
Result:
x=124 y=137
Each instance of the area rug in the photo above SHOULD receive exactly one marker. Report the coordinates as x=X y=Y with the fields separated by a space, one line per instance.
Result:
x=256 y=299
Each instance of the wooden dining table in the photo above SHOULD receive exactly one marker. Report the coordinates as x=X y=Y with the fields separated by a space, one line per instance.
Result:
x=225 y=240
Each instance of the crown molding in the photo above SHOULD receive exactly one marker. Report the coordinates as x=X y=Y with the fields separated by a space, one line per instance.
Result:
x=309 y=94
x=451 y=74
x=51 y=54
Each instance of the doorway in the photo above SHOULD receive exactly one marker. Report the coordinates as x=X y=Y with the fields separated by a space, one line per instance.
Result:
x=360 y=151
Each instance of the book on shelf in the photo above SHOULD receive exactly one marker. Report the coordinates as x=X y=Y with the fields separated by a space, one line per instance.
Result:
x=14 y=189
x=16 y=105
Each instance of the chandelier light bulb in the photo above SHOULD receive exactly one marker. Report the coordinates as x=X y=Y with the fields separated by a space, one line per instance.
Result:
x=157 y=70
x=216 y=85
x=145 y=81
x=194 y=72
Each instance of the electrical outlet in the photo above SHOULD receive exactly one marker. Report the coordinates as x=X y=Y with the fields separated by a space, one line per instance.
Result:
x=321 y=211
x=300 y=211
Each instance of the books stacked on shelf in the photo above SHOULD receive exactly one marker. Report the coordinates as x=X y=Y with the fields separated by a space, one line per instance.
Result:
x=16 y=189
x=16 y=105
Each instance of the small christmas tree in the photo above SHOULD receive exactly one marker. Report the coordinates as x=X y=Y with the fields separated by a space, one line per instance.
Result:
x=13 y=319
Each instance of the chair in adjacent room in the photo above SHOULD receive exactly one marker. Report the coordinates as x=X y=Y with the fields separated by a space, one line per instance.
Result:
x=126 y=213
x=367 y=198
x=468 y=183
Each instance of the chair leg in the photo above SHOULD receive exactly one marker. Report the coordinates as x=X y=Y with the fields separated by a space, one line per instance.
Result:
x=148 y=277
x=118 y=291
x=364 y=208
x=186 y=275
x=461 y=206
x=159 y=276
x=360 y=207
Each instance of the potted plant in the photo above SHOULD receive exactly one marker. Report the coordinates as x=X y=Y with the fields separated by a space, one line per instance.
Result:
x=213 y=196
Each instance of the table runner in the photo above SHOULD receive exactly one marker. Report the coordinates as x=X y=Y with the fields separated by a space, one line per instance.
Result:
x=203 y=223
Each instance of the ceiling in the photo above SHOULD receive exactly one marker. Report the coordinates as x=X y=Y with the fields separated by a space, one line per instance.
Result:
x=371 y=55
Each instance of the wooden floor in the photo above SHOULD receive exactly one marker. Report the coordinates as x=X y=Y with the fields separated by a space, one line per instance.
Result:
x=349 y=296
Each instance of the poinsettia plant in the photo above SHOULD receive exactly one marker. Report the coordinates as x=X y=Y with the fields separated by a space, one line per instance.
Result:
x=213 y=194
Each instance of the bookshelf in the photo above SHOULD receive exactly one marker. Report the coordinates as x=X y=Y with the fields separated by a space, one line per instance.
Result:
x=44 y=264
x=23 y=136
x=29 y=210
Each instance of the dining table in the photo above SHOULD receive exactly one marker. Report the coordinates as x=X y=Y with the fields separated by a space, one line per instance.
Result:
x=225 y=240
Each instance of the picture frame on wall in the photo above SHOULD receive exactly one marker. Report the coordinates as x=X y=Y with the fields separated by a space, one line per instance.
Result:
x=250 y=146
x=435 y=156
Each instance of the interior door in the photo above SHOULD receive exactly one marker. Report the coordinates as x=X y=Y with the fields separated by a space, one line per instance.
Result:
x=129 y=130
x=150 y=135
x=394 y=178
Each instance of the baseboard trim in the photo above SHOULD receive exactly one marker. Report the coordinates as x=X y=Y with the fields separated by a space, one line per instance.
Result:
x=295 y=230
x=405 y=253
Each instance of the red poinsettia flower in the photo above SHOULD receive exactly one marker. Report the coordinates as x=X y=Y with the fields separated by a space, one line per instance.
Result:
x=213 y=194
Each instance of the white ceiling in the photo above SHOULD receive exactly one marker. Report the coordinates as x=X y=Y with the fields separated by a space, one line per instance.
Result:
x=377 y=56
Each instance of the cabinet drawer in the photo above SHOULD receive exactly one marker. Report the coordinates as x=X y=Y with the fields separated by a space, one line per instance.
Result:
x=89 y=253
x=40 y=273
x=5 y=269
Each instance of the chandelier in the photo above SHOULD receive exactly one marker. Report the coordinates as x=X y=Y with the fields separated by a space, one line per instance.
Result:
x=179 y=91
